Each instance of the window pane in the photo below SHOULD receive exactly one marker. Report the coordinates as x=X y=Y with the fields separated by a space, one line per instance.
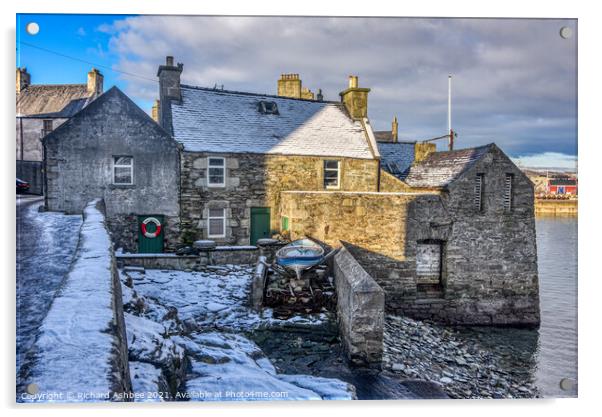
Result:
x=216 y=212
x=216 y=227
x=331 y=164
x=216 y=162
x=123 y=175
x=331 y=178
x=123 y=160
x=216 y=175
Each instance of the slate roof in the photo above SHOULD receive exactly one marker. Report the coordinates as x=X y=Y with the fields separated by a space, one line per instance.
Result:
x=208 y=120
x=60 y=100
x=441 y=168
x=396 y=158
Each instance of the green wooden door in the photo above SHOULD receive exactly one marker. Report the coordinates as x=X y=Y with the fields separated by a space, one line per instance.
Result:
x=260 y=223
x=150 y=234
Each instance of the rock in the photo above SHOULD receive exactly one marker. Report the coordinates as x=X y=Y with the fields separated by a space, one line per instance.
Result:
x=398 y=367
x=446 y=380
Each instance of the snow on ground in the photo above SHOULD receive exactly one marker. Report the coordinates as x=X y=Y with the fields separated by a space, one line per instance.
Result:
x=217 y=298
x=192 y=323
x=73 y=350
x=46 y=244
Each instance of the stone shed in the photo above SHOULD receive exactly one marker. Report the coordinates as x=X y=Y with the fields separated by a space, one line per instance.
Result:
x=113 y=150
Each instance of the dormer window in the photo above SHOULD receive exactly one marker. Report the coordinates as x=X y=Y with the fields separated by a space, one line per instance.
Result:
x=267 y=107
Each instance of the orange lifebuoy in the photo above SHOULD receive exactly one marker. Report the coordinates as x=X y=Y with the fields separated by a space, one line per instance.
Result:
x=148 y=234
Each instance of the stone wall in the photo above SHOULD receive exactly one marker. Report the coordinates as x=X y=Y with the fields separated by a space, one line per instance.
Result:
x=79 y=167
x=222 y=255
x=254 y=180
x=360 y=310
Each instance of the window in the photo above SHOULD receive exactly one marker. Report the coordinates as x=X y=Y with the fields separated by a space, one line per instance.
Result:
x=123 y=170
x=267 y=107
x=331 y=174
x=216 y=176
x=216 y=222
x=284 y=223
x=508 y=192
x=478 y=192
x=47 y=127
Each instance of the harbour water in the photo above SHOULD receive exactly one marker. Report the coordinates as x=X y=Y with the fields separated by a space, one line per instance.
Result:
x=557 y=348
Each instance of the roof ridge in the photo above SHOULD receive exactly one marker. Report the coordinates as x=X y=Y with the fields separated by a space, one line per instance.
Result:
x=246 y=93
x=58 y=85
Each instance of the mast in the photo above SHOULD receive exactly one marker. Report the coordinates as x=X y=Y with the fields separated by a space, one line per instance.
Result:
x=449 y=120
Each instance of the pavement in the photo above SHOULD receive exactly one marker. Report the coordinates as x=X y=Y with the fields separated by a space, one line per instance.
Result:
x=46 y=243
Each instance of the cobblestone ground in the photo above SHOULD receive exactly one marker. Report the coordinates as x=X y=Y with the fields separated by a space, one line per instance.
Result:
x=46 y=244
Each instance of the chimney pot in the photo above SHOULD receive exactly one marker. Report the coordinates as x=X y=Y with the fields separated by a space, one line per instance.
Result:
x=169 y=61
x=23 y=79
x=353 y=82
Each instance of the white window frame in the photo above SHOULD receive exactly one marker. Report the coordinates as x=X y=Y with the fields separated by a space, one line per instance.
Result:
x=209 y=218
x=209 y=166
x=130 y=166
x=338 y=186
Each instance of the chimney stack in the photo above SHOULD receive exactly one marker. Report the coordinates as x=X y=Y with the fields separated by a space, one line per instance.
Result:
x=355 y=99
x=394 y=130
x=169 y=85
x=289 y=85
x=169 y=80
x=95 y=82
x=155 y=111
x=320 y=96
x=23 y=79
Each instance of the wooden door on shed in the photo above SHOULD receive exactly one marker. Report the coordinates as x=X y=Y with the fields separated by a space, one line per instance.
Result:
x=151 y=233
x=260 y=223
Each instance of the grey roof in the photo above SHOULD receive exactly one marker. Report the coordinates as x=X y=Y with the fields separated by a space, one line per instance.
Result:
x=60 y=100
x=441 y=168
x=383 y=136
x=208 y=120
x=396 y=158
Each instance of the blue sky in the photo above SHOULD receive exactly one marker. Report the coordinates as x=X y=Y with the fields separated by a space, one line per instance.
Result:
x=514 y=79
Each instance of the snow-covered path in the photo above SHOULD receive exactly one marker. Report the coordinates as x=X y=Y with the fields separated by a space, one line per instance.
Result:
x=46 y=243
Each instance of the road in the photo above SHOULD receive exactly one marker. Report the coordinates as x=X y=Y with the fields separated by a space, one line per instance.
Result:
x=46 y=243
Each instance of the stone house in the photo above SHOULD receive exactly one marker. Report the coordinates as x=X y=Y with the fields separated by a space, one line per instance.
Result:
x=448 y=235
x=241 y=150
x=112 y=149
x=41 y=108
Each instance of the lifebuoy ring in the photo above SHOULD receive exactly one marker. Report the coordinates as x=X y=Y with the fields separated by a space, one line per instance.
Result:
x=148 y=234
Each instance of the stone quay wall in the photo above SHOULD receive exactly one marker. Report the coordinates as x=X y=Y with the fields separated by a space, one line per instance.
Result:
x=256 y=180
x=360 y=310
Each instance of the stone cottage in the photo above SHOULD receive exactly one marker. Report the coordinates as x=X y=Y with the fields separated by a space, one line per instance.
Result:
x=41 y=108
x=448 y=235
x=241 y=150
x=112 y=149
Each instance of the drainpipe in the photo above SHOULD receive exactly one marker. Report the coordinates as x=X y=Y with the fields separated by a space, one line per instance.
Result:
x=21 y=135
x=378 y=177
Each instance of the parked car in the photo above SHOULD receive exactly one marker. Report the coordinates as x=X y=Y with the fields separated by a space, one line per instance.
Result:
x=22 y=186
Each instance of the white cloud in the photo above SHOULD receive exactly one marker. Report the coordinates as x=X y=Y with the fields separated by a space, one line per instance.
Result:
x=514 y=79
x=548 y=160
